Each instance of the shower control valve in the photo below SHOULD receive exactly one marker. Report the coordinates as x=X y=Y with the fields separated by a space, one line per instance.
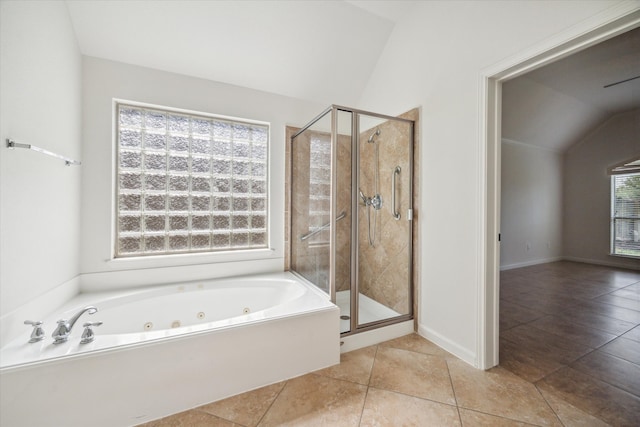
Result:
x=376 y=202
x=37 y=334
x=88 y=335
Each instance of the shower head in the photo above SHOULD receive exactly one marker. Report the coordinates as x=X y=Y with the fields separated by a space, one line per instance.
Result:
x=373 y=135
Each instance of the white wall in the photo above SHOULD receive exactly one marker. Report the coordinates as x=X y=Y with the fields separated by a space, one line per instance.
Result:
x=587 y=188
x=434 y=59
x=105 y=80
x=531 y=205
x=40 y=82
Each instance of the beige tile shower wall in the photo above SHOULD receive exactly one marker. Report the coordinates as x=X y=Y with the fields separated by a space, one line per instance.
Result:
x=384 y=270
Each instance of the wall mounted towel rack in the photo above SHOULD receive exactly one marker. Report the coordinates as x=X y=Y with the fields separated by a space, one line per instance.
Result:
x=12 y=144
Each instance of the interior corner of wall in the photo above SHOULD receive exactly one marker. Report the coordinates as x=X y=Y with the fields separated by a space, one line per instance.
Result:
x=447 y=344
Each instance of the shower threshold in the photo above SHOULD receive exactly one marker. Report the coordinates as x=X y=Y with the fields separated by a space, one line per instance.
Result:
x=370 y=310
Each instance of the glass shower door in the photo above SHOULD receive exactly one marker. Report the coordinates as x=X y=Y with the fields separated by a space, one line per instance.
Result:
x=384 y=209
x=311 y=156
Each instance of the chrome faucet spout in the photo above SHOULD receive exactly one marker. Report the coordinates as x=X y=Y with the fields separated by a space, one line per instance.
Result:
x=90 y=309
x=63 y=330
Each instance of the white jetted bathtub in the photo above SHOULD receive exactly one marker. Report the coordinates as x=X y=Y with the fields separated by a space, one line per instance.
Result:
x=165 y=349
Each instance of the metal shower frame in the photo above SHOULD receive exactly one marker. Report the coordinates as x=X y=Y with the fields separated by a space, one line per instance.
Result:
x=355 y=167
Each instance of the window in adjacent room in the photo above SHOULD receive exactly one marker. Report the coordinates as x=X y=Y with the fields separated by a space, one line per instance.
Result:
x=625 y=208
x=189 y=182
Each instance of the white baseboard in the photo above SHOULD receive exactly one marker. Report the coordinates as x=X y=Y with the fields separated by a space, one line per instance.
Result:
x=605 y=263
x=530 y=263
x=574 y=259
x=454 y=348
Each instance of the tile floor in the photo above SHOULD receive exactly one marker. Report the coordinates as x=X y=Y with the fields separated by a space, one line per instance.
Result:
x=573 y=330
x=570 y=356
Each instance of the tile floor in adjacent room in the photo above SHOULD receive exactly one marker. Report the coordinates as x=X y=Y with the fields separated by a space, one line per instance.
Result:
x=573 y=330
x=570 y=356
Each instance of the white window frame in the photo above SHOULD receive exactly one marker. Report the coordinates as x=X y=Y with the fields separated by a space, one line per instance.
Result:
x=627 y=168
x=189 y=257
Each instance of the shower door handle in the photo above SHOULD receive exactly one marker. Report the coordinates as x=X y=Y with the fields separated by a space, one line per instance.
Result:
x=396 y=214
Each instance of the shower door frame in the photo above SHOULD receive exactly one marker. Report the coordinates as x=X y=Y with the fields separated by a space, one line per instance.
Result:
x=354 y=291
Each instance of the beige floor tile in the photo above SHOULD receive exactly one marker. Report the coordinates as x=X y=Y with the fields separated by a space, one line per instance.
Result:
x=414 y=342
x=247 y=408
x=384 y=408
x=315 y=400
x=478 y=419
x=499 y=392
x=570 y=415
x=193 y=418
x=415 y=374
x=354 y=366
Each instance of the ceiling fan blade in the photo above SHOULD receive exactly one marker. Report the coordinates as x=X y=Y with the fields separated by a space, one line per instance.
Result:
x=621 y=81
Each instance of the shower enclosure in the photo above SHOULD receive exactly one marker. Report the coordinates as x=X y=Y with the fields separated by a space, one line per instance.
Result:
x=351 y=214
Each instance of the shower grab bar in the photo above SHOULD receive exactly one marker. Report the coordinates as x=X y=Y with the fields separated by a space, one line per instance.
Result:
x=396 y=214
x=12 y=144
x=319 y=229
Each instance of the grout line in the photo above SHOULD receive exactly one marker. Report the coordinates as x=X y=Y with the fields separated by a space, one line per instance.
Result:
x=373 y=365
x=500 y=416
x=453 y=390
x=588 y=328
x=364 y=402
x=586 y=411
x=616 y=386
x=272 y=402
x=562 y=366
x=426 y=399
x=548 y=404
x=221 y=418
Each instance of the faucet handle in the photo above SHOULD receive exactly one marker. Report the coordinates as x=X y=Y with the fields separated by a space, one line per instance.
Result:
x=37 y=334
x=88 y=335
x=61 y=333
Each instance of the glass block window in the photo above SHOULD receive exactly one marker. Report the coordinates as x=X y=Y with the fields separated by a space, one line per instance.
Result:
x=189 y=183
x=320 y=187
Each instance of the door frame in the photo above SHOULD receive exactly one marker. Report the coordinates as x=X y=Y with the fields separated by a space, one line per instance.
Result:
x=616 y=20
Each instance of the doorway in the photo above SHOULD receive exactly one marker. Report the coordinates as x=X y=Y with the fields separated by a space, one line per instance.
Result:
x=573 y=40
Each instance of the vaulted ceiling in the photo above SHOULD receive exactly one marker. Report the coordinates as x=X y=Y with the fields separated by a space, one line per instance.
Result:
x=325 y=51
x=556 y=105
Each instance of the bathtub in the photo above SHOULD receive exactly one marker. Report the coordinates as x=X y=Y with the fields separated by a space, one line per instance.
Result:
x=165 y=349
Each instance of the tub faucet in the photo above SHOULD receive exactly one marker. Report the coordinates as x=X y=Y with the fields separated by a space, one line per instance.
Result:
x=63 y=330
x=37 y=334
